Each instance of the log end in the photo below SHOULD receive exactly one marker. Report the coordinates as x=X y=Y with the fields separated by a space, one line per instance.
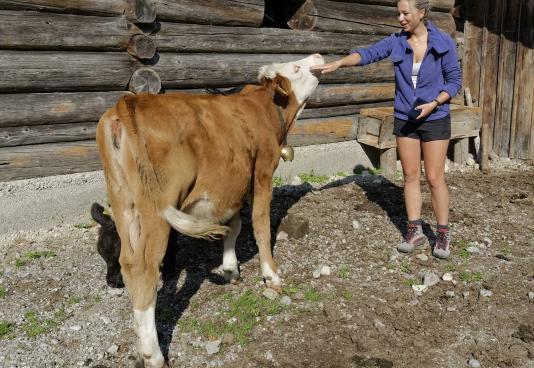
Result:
x=140 y=11
x=142 y=47
x=305 y=18
x=145 y=80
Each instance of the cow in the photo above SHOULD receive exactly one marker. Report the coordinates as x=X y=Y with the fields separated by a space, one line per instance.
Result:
x=190 y=161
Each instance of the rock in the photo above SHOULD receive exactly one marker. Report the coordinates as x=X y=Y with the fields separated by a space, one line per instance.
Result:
x=449 y=294
x=296 y=180
x=213 y=347
x=470 y=160
x=473 y=363
x=282 y=235
x=106 y=320
x=430 y=279
x=295 y=226
x=316 y=273
x=472 y=250
x=485 y=293
x=285 y=300
x=326 y=271
x=115 y=291
x=451 y=309
x=76 y=328
x=447 y=276
x=487 y=242
x=531 y=296
x=270 y=294
x=419 y=289
x=113 y=349
x=379 y=325
x=227 y=338
x=355 y=225
x=422 y=257
x=269 y=355
x=465 y=294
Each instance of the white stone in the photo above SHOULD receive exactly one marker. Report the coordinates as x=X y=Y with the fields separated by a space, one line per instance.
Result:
x=486 y=293
x=76 y=328
x=106 y=320
x=449 y=294
x=422 y=257
x=470 y=161
x=419 y=289
x=379 y=325
x=355 y=225
x=316 y=273
x=113 y=349
x=430 y=279
x=213 y=347
x=326 y=271
x=285 y=300
x=472 y=249
x=282 y=235
x=269 y=355
x=447 y=276
x=487 y=242
x=473 y=363
x=296 y=180
x=270 y=294
x=465 y=294
x=531 y=295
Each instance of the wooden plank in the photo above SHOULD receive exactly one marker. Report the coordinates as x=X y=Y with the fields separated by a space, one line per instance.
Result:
x=473 y=57
x=319 y=131
x=506 y=79
x=51 y=133
x=99 y=7
x=461 y=150
x=176 y=37
x=341 y=94
x=330 y=111
x=24 y=30
x=50 y=71
x=218 y=12
x=204 y=70
x=54 y=108
x=32 y=161
x=388 y=160
x=436 y=5
x=331 y=16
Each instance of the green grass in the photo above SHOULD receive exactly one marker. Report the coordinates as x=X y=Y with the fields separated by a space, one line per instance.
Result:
x=313 y=178
x=409 y=282
x=6 y=329
x=277 y=181
x=344 y=272
x=471 y=276
x=375 y=172
x=247 y=310
x=347 y=295
x=451 y=267
x=312 y=295
x=390 y=266
x=463 y=245
x=3 y=292
x=32 y=255
x=405 y=267
x=74 y=300
x=33 y=326
x=342 y=174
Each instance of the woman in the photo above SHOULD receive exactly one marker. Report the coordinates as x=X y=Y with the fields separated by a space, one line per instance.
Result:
x=427 y=76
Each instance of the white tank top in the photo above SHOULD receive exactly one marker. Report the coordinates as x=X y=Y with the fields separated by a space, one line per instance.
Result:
x=415 y=73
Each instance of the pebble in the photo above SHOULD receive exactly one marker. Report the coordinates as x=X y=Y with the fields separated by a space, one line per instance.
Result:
x=465 y=294
x=285 y=300
x=355 y=224
x=379 y=325
x=470 y=161
x=430 y=279
x=451 y=309
x=106 y=320
x=227 y=338
x=487 y=242
x=449 y=294
x=422 y=257
x=326 y=271
x=269 y=355
x=296 y=181
x=447 y=276
x=418 y=289
x=473 y=363
x=486 y=293
x=213 y=347
x=531 y=296
x=113 y=349
x=282 y=235
x=316 y=273
x=472 y=250
x=270 y=294
x=115 y=291
x=76 y=328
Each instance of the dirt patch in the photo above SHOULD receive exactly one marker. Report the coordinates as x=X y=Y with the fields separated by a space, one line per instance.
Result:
x=55 y=310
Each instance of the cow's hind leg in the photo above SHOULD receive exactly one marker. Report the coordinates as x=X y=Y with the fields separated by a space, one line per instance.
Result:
x=140 y=267
x=230 y=267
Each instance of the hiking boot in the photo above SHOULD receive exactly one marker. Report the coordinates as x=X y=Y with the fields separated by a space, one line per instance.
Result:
x=414 y=238
x=442 y=248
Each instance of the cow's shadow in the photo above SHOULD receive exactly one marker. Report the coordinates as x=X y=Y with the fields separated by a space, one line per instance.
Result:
x=200 y=259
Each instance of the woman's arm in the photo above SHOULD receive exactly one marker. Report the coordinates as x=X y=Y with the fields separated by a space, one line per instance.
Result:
x=350 y=60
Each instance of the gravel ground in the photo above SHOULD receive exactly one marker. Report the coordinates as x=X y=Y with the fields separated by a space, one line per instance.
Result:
x=350 y=300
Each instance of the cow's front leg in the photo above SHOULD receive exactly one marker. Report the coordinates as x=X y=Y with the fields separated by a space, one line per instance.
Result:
x=230 y=267
x=261 y=222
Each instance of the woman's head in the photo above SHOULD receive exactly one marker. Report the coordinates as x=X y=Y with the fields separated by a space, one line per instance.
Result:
x=412 y=13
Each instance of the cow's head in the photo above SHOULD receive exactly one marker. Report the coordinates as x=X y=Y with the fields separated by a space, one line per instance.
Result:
x=292 y=77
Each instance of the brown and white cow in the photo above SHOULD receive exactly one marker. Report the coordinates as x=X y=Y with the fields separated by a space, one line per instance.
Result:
x=190 y=161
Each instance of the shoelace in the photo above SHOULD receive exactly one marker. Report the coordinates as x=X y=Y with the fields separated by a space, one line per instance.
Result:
x=442 y=240
x=410 y=233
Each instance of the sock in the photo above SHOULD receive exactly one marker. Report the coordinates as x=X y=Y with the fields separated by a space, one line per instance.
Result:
x=416 y=222
x=443 y=227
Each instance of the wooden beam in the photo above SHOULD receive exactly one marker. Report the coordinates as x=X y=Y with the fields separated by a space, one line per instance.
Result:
x=51 y=133
x=50 y=71
x=95 y=7
x=32 y=161
x=217 y=12
x=342 y=94
x=436 y=5
x=222 y=70
x=176 y=37
x=25 y=30
x=332 y=111
x=319 y=131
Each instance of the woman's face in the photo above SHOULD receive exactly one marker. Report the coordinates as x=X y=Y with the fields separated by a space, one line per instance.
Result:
x=409 y=16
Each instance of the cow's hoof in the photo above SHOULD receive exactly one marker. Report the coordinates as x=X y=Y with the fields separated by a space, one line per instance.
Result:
x=275 y=286
x=231 y=275
x=139 y=363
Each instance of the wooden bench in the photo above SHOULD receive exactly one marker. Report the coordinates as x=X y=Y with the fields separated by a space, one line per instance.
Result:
x=375 y=129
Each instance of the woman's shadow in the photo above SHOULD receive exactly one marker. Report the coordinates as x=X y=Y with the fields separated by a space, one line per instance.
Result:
x=197 y=258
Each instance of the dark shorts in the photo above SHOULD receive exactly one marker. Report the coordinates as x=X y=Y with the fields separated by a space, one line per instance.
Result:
x=426 y=131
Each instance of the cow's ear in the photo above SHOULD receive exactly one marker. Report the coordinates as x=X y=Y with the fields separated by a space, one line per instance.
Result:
x=282 y=86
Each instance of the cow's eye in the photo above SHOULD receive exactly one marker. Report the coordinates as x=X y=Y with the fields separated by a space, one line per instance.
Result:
x=296 y=68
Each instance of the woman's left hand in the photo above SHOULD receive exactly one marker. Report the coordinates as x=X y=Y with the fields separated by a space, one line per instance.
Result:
x=426 y=109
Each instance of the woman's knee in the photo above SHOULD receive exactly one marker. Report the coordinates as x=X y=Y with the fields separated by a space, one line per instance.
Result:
x=435 y=180
x=412 y=176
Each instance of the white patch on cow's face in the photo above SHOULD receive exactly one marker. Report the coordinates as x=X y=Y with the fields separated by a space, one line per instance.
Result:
x=303 y=81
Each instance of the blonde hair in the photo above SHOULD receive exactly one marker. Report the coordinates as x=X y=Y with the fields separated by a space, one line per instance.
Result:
x=421 y=5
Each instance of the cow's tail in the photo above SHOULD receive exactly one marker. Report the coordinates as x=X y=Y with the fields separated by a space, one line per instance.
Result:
x=193 y=227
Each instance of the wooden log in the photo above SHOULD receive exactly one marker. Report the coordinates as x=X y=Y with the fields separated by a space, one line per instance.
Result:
x=175 y=37
x=331 y=95
x=325 y=15
x=331 y=111
x=49 y=71
x=142 y=47
x=209 y=70
x=473 y=58
x=52 y=133
x=24 y=30
x=436 y=5
x=145 y=80
x=388 y=161
x=218 y=12
x=461 y=150
x=319 y=131
x=32 y=161
x=139 y=11
x=54 y=108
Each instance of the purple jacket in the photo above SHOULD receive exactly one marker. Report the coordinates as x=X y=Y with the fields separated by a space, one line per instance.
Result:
x=439 y=71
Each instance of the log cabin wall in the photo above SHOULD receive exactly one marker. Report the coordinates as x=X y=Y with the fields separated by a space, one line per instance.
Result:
x=499 y=70
x=63 y=63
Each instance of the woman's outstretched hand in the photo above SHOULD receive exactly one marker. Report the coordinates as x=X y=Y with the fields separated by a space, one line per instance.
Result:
x=327 y=68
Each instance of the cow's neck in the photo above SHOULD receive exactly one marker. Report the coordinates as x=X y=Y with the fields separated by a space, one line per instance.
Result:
x=286 y=117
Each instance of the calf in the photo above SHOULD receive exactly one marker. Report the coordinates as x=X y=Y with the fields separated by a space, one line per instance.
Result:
x=189 y=161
